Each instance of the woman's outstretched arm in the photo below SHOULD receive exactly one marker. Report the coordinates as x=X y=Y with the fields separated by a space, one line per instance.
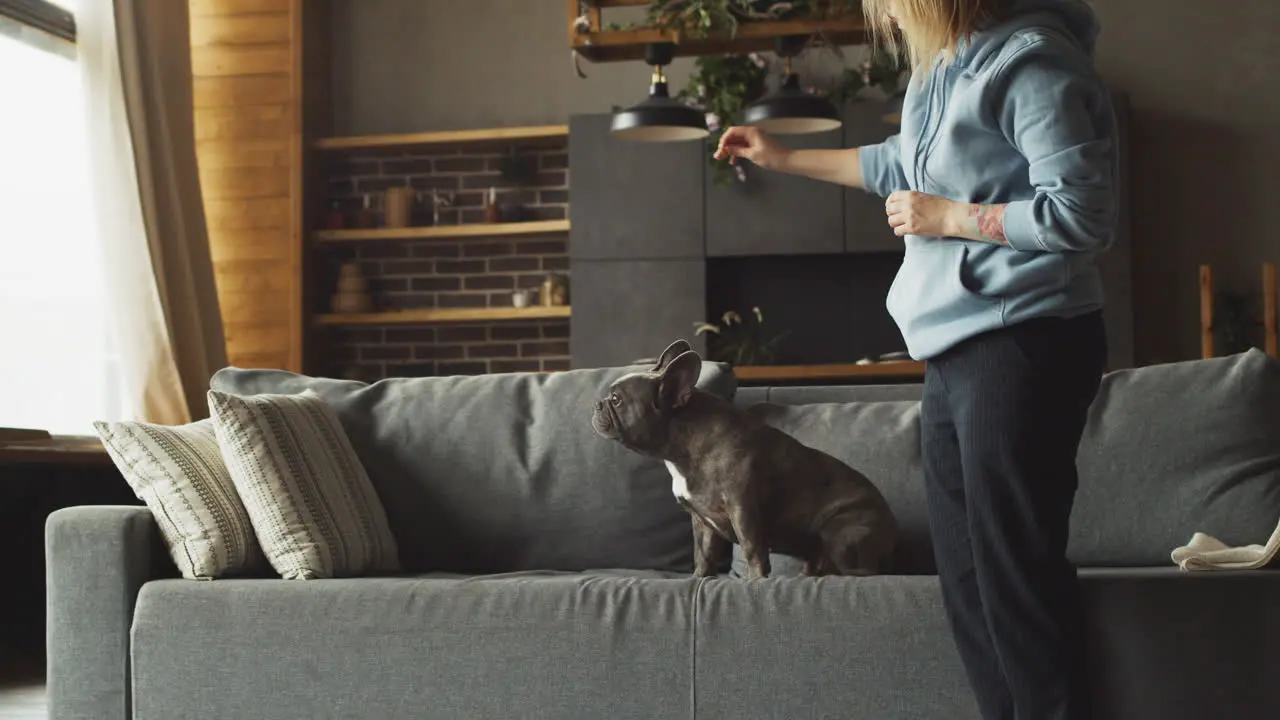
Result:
x=874 y=168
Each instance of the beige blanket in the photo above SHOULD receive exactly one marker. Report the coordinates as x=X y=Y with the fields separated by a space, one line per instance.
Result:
x=1205 y=552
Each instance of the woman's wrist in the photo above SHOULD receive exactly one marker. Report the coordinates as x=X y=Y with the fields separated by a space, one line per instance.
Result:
x=781 y=160
x=972 y=221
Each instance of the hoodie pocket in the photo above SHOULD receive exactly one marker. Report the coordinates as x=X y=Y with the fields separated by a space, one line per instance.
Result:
x=934 y=290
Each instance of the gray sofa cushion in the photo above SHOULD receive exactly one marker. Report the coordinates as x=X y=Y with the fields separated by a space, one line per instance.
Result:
x=640 y=645
x=1163 y=645
x=497 y=473
x=536 y=646
x=876 y=648
x=1175 y=449
x=805 y=395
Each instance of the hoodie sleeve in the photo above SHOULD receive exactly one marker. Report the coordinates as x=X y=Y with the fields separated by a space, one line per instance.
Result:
x=882 y=168
x=1059 y=116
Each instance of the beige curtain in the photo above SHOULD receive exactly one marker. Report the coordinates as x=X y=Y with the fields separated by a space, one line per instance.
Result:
x=136 y=60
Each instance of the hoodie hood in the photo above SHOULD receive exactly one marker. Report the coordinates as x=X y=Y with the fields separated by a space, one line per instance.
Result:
x=1073 y=18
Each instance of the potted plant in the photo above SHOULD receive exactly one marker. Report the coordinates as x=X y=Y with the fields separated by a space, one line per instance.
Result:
x=880 y=71
x=703 y=17
x=740 y=342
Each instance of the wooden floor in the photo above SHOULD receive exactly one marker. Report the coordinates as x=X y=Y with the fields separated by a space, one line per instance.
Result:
x=22 y=693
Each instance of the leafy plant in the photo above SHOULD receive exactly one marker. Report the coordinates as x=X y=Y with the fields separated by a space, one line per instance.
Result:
x=700 y=18
x=1235 y=320
x=721 y=85
x=880 y=70
x=704 y=17
x=739 y=342
x=695 y=17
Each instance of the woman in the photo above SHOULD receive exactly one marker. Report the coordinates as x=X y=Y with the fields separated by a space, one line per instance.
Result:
x=1001 y=184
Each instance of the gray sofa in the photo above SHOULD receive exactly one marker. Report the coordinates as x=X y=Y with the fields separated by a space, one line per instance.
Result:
x=547 y=572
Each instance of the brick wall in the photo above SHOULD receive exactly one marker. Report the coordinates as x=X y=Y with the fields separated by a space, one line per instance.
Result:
x=472 y=272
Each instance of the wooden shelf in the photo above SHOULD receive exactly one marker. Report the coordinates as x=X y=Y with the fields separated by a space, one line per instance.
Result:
x=453 y=315
x=783 y=373
x=442 y=232
x=627 y=45
x=56 y=450
x=446 y=137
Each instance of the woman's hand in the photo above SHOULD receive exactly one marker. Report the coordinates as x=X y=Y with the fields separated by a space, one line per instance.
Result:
x=917 y=213
x=751 y=143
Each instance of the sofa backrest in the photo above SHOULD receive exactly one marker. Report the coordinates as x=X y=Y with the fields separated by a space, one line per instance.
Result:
x=499 y=473
x=810 y=394
x=1168 y=451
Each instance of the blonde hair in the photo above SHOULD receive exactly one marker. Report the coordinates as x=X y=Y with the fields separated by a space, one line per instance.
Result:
x=931 y=29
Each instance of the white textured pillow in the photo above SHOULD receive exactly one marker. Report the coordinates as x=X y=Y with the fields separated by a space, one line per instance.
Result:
x=311 y=503
x=178 y=473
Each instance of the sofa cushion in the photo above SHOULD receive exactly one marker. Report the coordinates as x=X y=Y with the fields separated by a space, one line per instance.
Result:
x=810 y=394
x=538 y=645
x=496 y=473
x=178 y=473
x=828 y=647
x=311 y=502
x=647 y=645
x=881 y=647
x=1171 y=450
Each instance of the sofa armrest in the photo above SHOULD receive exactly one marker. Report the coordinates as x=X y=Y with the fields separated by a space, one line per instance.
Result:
x=96 y=560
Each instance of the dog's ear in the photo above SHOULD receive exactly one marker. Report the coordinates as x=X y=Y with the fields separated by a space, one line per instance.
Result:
x=671 y=353
x=678 y=380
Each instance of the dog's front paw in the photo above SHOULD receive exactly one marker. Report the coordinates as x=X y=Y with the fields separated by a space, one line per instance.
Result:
x=699 y=573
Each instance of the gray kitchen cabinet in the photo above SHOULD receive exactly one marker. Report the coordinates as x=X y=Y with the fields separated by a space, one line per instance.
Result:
x=775 y=213
x=633 y=200
x=624 y=310
x=865 y=226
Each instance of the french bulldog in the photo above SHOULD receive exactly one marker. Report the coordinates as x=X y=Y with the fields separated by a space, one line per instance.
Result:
x=743 y=481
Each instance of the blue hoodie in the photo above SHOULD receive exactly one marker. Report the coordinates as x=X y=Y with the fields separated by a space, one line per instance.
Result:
x=1019 y=117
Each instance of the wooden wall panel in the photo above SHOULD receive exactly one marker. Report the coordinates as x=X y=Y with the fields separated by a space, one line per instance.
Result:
x=219 y=8
x=240 y=90
x=248 y=119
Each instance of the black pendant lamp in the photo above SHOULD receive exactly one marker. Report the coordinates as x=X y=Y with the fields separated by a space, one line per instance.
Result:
x=660 y=118
x=790 y=110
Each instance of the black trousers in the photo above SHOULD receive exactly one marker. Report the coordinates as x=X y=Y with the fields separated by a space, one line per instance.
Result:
x=1001 y=421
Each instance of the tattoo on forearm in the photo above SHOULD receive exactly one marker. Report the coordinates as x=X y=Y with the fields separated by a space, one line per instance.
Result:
x=988 y=221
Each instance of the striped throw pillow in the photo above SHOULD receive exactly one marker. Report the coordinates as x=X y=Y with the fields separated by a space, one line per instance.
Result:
x=178 y=473
x=312 y=505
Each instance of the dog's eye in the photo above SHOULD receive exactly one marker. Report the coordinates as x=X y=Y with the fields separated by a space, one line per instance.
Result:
x=615 y=399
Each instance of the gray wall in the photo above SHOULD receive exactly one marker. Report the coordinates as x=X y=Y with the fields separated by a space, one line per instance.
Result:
x=1204 y=83
x=407 y=65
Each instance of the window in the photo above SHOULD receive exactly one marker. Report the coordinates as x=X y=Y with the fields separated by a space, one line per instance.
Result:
x=57 y=370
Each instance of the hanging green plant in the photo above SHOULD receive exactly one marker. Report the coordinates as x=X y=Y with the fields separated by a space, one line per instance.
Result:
x=700 y=18
x=694 y=17
x=722 y=85
x=881 y=70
